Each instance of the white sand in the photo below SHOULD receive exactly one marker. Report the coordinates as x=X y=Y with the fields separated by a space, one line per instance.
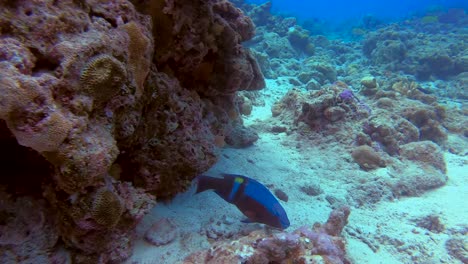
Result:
x=273 y=161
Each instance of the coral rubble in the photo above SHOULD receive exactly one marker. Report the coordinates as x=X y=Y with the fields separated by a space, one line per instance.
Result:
x=316 y=244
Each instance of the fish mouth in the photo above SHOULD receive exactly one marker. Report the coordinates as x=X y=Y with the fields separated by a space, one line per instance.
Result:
x=285 y=223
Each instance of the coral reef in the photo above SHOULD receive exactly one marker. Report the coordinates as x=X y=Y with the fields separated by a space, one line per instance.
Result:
x=106 y=208
x=216 y=56
x=407 y=137
x=389 y=132
x=113 y=104
x=333 y=104
x=423 y=55
x=299 y=38
x=317 y=244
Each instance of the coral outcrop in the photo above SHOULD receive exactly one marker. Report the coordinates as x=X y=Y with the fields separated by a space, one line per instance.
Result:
x=423 y=55
x=333 y=104
x=316 y=244
x=115 y=104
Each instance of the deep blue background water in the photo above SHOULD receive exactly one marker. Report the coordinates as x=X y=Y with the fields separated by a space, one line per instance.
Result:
x=342 y=11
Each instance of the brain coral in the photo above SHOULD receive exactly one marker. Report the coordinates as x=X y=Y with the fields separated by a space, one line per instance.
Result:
x=106 y=208
x=102 y=77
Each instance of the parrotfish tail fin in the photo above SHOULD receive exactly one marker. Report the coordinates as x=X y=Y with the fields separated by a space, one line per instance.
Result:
x=204 y=183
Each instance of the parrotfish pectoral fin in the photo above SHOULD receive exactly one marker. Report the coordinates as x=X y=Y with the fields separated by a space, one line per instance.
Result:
x=247 y=221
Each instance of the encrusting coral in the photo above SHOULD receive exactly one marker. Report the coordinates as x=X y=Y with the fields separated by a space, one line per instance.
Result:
x=139 y=54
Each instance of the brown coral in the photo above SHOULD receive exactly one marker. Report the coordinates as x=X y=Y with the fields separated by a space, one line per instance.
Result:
x=31 y=115
x=367 y=158
x=139 y=55
x=426 y=153
x=106 y=208
x=46 y=135
x=85 y=160
x=102 y=77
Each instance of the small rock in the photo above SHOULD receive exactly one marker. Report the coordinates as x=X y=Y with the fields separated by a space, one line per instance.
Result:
x=367 y=158
x=281 y=195
x=313 y=85
x=431 y=222
x=219 y=230
x=241 y=137
x=425 y=152
x=385 y=103
x=312 y=189
x=456 y=247
x=295 y=82
x=245 y=106
x=161 y=233
x=369 y=82
x=334 y=113
x=278 y=129
x=227 y=220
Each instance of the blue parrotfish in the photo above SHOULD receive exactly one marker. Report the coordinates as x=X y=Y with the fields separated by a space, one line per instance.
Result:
x=251 y=197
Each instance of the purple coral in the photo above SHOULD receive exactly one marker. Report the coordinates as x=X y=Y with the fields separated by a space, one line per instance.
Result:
x=347 y=95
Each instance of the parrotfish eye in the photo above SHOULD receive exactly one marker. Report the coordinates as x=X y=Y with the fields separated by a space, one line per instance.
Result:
x=238 y=180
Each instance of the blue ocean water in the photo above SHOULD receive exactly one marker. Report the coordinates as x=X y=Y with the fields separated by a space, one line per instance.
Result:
x=339 y=13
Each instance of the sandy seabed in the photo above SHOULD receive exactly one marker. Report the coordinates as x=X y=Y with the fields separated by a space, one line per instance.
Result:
x=384 y=232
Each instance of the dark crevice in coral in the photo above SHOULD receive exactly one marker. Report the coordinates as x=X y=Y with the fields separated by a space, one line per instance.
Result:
x=7 y=28
x=128 y=170
x=23 y=169
x=95 y=14
x=43 y=63
x=11 y=3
